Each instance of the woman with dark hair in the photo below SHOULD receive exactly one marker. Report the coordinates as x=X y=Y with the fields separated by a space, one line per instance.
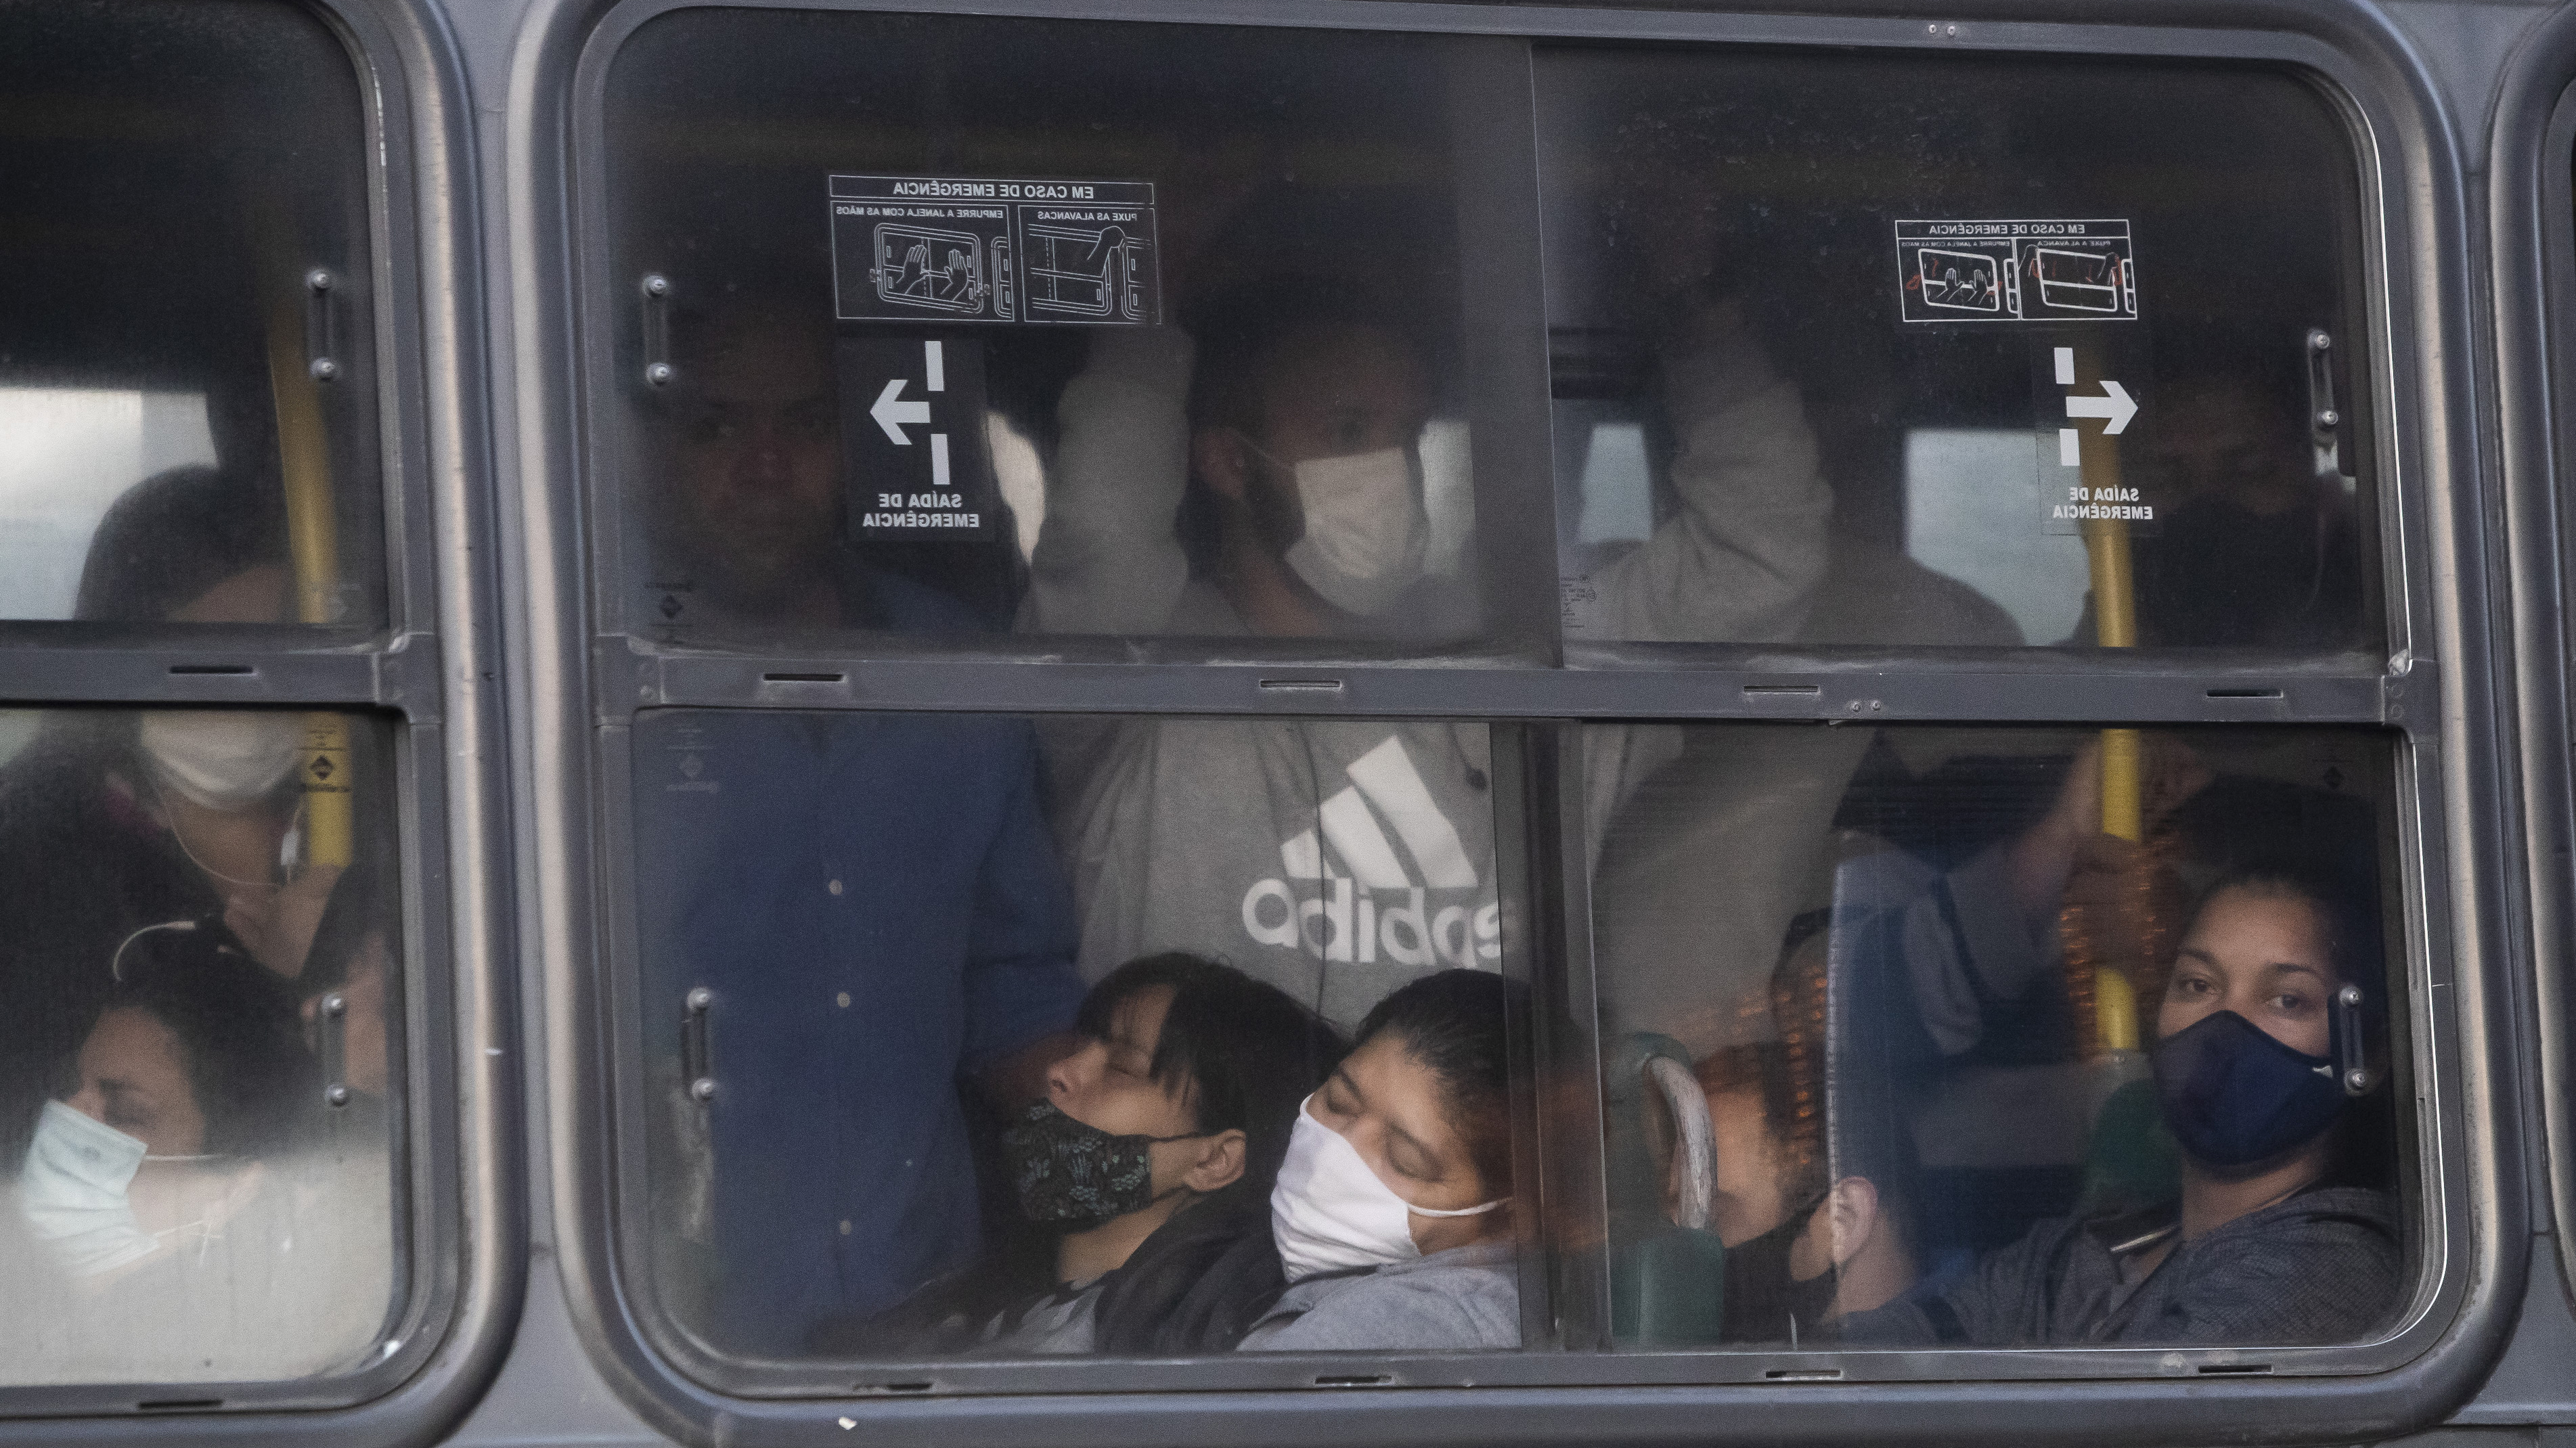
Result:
x=138 y=817
x=158 y=1206
x=1393 y=1210
x=2268 y=1034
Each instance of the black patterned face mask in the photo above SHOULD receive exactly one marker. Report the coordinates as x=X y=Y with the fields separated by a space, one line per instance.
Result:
x=1068 y=1172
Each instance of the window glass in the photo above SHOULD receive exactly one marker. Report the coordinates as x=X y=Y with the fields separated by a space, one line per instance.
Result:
x=187 y=381
x=1942 y=1049
x=1904 y=352
x=197 y=1105
x=1056 y=328
x=973 y=1036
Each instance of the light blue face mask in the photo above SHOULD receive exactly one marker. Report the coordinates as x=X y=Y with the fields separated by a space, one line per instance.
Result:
x=73 y=1192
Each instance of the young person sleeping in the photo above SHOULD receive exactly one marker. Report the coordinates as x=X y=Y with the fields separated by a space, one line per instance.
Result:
x=1153 y=1152
x=1392 y=1212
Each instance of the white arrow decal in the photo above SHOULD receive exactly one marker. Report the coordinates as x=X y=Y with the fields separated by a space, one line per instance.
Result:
x=2115 y=407
x=891 y=412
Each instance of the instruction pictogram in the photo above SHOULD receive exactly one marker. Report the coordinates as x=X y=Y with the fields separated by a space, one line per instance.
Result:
x=912 y=430
x=994 y=249
x=2016 y=271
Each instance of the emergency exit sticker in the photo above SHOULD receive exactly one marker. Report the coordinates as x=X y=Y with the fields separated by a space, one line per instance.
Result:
x=2016 y=271
x=912 y=438
x=994 y=249
x=2089 y=411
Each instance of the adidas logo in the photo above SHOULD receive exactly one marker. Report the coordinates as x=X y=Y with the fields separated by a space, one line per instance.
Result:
x=1345 y=892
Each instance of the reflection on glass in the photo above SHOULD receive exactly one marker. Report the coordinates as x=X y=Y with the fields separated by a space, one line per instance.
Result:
x=1261 y=430
x=74 y=451
x=1996 y=1069
x=243 y=350
x=833 y=938
x=196 y=1093
x=1770 y=429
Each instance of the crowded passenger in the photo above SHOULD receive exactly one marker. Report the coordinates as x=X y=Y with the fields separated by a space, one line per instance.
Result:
x=2275 y=1238
x=872 y=903
x=157 y=1203
x=1151 y=1160
x=1815 y=1227
x=1393 y=1210
x=1294 y=470
x=138 y=817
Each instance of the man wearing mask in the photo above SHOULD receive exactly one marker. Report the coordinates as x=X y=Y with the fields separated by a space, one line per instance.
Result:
x=1340 y=860
x=1151 y=1160
x=870 y=904
x=1814 y=1229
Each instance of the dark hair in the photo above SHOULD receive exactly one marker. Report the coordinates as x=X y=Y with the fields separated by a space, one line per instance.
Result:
x=237 y=1029
x=1241 y=1051
x=2353 y=936
x=173 y=536
x=1457 y=1024
x=1240 y=332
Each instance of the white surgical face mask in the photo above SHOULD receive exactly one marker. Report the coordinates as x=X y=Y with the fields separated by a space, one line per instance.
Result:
x=224 y=759
x=1366 y=533
x=73 y=1192
x=1330 y=1213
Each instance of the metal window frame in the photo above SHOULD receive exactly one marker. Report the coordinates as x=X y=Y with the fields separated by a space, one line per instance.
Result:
x=2448 y=786
x=2531 y=201
x=427 y=674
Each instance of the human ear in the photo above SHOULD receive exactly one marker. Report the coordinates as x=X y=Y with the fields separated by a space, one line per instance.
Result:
x=1219 y=1164
x=1852 y=1207
x=1222 y=461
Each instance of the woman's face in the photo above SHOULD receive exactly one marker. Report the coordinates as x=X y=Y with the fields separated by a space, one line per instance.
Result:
x=1389 y=1107
x=134 y=1077
x=2262 y=956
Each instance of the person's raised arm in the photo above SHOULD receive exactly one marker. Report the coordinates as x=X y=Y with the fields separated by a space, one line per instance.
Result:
x=1108 y=560
x=1741 y=561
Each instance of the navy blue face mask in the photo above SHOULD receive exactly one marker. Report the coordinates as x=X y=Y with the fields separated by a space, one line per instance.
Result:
x=2234 y=1096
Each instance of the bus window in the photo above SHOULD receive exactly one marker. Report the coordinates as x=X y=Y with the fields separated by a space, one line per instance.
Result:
x=183 y=202
x=1953 y=353
x=1982 y=1066
x=1066 y=329
x=1115 y=1004
x=197 y=1094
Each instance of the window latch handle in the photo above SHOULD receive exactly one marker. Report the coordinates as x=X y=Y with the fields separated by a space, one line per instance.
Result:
x=657 y=329
x=321 y=325
x=334 y=1031
x=2352 y=1067
x=696 y=1067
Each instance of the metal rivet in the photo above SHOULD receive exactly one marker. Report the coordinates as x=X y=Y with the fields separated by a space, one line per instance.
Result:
x=333 y=1005
x=2356 y=1080
x=834 y=887
x=659 y=374
x=842 y=1000
x=1949 y=30
x=337 y=1095
x=1853 y=707
x=2329 y=418
x=318 y=279
x=704 y=1088
x=324 y=369
x=701 y=998
x=1932 y=29
x=656 y=284
x=2319 y=340
x=845 y=1229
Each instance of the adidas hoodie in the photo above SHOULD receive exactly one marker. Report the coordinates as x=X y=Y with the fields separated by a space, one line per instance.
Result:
x=1340 y=859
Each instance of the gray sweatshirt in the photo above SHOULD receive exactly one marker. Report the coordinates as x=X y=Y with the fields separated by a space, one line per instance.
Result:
x=1466 y=1297
x=1339 y=860
x=2322 y=1267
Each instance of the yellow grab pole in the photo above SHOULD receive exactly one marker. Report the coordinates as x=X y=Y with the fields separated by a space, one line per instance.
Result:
x=2115 y=626
x=313 y=542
